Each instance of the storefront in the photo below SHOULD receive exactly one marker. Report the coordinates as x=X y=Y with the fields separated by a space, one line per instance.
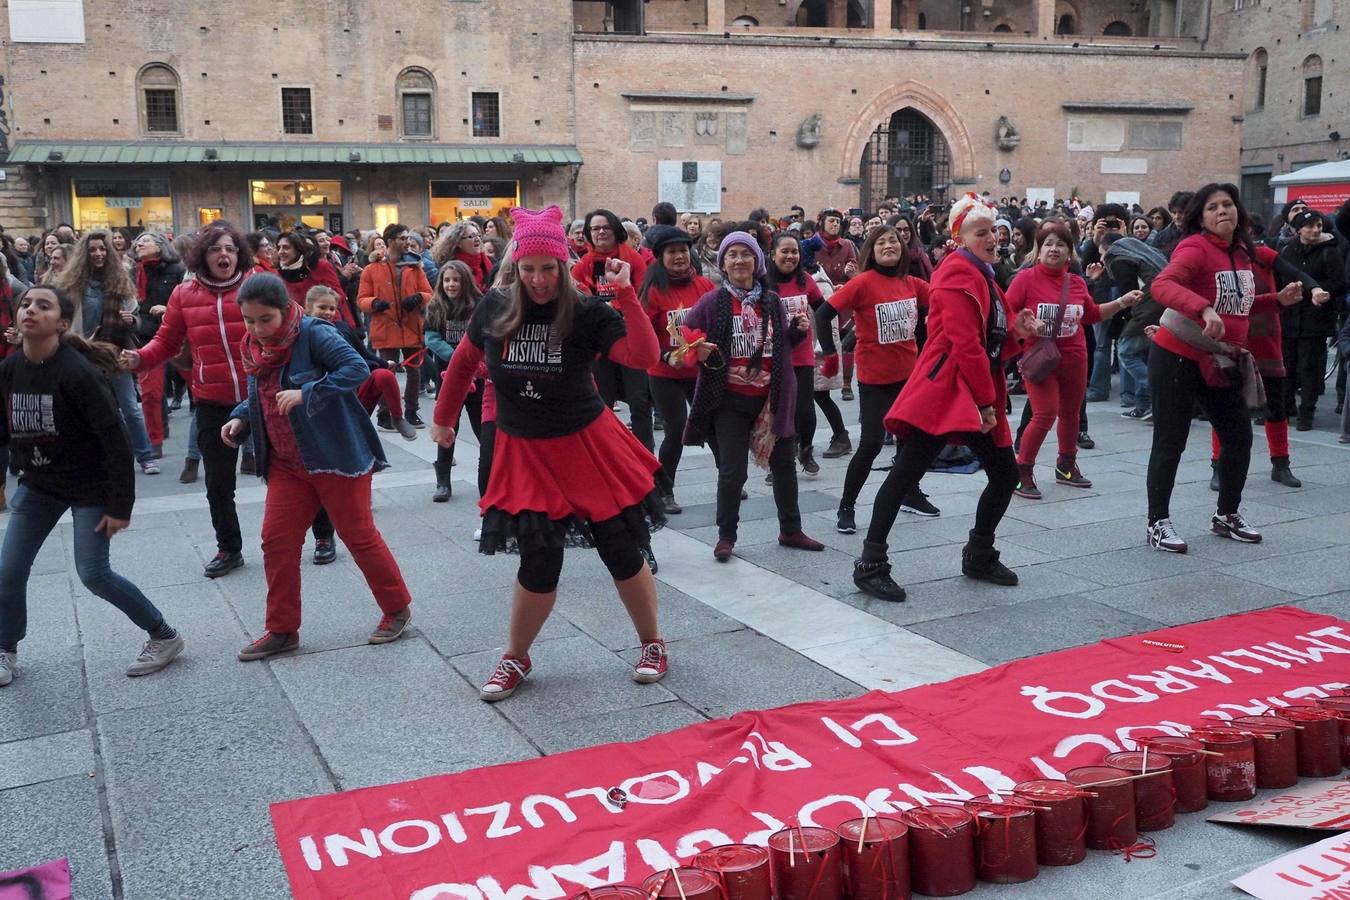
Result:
x=282 y=204
x=136 y=204
x=455 y=200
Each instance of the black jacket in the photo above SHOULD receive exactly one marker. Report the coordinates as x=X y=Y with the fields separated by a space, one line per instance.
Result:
x=1322 y=261
x=160 y=278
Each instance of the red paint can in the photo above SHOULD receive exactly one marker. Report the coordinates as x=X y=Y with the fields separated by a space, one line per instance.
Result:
x=1189 y=778
x=1155 y=799
x=1231 y=776
x=941 y=850
x=1005 y=840
x=1277 y=759
x=1340 y=706
x=611 y=892
x=1319 y=743
x=1061 y=822
x=805 y=864
x=685 y=883
x=1111 y=814
x=876 y=858
x=743 y=870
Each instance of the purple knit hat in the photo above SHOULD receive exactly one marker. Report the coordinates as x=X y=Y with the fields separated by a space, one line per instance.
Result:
x=538 y=233
x=748 y=240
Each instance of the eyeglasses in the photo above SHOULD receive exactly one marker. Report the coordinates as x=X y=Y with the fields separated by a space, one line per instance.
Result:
x=601 y=229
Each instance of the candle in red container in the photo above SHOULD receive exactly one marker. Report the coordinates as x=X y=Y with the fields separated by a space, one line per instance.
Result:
x=876 y=858
x=1189 y=777
x=1232 y=774
x=1319 y=750
x=611 y=892
x=805 y=864
x=1111 y=810
x=1341 y=707
x=1061 y=821
x=941 y=850
x=1277 y=759
x=684 y=883
x=1154 y=797
x=1005 y=840
x=742 y=868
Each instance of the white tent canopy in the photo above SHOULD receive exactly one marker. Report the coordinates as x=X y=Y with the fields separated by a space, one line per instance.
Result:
x=1322 y=172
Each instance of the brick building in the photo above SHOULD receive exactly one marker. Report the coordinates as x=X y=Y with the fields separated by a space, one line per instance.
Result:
x=352 y=114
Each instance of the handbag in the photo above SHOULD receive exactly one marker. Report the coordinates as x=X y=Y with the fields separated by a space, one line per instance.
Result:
x=1041 y=361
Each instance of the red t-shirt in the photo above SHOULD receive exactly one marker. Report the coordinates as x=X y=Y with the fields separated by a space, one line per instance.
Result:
x=885 y=316
x=664 y=307
x=1038 y=289
x=746 y=323
x=802 y=301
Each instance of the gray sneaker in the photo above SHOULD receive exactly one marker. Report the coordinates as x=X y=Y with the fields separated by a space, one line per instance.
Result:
x=155 y=655
x=9 y=667
x=391 y=626
x=405 y=429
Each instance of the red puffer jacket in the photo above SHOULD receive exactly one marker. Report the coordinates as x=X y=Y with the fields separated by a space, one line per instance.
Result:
x=211 y=322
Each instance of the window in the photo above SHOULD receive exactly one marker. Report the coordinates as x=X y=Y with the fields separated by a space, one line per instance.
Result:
x=745 y=22
x=1312 y=86
x=157 y=85
x=386 y=214
x=1117 y=29
x=1065 y=25
x=296 y=115
x=487 y=114
x=1261 y=64
x=416 y=101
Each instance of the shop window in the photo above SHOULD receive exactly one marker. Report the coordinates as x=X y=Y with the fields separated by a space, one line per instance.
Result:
x=487 y=114
x=452 y=201
x=157 y=85
x=297 y=117
x=416 y=101
x=1117 y=29
x=1312 y=86
x=143 y=204
x=208 y=214
x=1261 y=66
x=285 y=204
x=386 y=214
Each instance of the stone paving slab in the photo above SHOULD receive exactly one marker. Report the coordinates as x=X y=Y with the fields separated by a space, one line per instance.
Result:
x=41 y=822
x=46 y=758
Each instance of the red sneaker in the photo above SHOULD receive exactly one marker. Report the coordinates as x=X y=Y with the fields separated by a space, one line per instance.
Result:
x=508 y=675
x=651 y=665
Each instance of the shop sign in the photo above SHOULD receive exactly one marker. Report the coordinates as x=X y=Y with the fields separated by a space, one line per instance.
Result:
x=123 y=202
x=475 y=193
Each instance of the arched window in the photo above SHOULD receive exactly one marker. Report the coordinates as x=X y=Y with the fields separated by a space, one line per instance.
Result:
x=745 y=22
x=1117 y=29
x=416 y=103
x=1260 y=66
x=1065 y=24
x=1312 y=86
x=816 y=14
x=1003 y=28
x=157 y=92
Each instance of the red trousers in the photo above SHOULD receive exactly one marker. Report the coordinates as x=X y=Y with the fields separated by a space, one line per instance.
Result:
x=381 y=383
x=293 y=497
x=152 y=402
x=1058 y=397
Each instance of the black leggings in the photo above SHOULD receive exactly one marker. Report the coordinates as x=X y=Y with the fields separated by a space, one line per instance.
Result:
x=832 y=415
x=672 y=397
x=917 y=453
x=1176 y=385
x=806 y=405
x=540 y=569
x=445 y=456
x=220 y=462
x=609 y=376
x=874 y=401
x=732 y=423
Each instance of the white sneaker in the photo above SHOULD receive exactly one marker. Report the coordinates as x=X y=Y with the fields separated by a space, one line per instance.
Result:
x=9 y=667
x=155 y=655
x=1162 y=535
x=1235 y=527
x=150 y=467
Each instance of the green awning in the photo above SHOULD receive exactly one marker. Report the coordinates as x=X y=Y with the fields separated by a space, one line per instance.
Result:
x=146 y=153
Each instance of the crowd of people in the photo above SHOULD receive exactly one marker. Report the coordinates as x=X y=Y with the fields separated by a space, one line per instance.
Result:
x=733 y=334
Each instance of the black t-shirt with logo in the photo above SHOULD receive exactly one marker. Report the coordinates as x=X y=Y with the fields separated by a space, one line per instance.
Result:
x=544 y=385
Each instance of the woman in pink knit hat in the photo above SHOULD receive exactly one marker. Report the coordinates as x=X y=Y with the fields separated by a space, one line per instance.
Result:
x=565 y=471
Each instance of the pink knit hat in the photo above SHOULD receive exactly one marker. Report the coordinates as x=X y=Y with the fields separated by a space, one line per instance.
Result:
x=538 y=233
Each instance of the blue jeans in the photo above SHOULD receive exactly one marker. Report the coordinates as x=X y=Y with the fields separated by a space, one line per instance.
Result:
x=1133 y=353
x=192 y=450
x=33 y=515
x=124 y=388
x=1099 y=383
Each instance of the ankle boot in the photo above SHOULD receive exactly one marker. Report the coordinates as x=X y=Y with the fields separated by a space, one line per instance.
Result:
x=1214 y=478
x=872 y=574
x=979 y=560
x=1279 y=472
x=1026 y=483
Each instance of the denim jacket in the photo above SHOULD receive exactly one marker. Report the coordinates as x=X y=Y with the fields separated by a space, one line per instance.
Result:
x=332 y=429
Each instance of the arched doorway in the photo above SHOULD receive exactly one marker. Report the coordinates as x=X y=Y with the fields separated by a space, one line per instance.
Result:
x=816 y=14
x=908 y=155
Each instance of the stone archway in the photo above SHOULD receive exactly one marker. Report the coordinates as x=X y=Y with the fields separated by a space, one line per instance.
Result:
x=922 y=99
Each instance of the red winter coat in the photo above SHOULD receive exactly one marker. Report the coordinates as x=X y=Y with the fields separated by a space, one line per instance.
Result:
x=954 y=375
x=323 y=273
x=210 y=321
x=582 y=271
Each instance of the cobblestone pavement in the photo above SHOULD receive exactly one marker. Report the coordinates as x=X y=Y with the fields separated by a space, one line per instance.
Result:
x=159 y=787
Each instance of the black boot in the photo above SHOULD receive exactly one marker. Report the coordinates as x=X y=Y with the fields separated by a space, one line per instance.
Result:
x=1279 y=472
x=979 y=560
x=1214 y=478
x=872 y=574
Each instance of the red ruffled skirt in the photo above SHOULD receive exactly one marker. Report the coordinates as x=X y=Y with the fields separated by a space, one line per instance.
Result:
x=545 y=492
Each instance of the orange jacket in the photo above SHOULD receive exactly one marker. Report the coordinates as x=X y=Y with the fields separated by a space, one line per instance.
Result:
x=394 y=327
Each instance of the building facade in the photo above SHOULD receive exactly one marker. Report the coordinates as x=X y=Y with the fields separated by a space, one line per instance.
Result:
x=350 y=114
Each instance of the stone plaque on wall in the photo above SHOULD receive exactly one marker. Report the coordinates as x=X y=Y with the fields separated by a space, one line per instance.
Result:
x=673 y=127
x=707 y=128
x=736 y=133
x=643 y=137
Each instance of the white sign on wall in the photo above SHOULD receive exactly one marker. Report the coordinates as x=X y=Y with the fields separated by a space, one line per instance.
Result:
x=1036 y=195
x=692 y=185
x=46 y=21
x=1124 y=198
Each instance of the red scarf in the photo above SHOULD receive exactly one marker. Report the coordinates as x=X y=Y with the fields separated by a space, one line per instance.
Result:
x=142 y=280
x=830 y=241
x=478 y=264
x=274 y=353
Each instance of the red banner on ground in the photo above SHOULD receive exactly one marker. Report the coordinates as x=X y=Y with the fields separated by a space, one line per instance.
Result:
x=544 y=828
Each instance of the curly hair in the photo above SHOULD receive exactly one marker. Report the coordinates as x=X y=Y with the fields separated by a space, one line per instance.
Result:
x=195 y=258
